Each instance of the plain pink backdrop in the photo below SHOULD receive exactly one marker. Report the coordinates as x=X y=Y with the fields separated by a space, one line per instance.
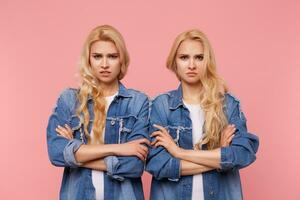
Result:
x=256 y=44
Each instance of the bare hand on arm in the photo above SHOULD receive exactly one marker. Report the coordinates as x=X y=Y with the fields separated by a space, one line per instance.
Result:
x=65 y=131
x=227 y=135
x=164 y=139
x=134 y=148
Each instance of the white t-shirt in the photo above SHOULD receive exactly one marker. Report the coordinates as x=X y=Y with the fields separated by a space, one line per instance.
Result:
x=97 y=176
x=197 y=117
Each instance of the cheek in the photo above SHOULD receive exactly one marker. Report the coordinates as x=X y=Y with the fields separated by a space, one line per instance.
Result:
x=181 y=65
x=115 y=65
x=201 y=67
x=94 y=63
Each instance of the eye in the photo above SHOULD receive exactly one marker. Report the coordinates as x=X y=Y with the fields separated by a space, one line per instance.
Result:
x=184 y=57
x=97 y=56
x=199 y=57
x=113 y=56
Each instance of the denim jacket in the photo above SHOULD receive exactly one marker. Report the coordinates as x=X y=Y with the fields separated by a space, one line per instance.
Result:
x=127 y=119
x=169 y=111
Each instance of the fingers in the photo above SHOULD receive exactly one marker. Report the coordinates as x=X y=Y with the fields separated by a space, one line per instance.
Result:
x=69 y=131
x=142 y=152
x=230 y=139
x=68 y=128
x=161 y=134
x=227 y=135
x=140 y=156
x=161 y=128
x=229 y=130
x=143 y=141
x=64 y=131
x=157 y=139
x=159 y=144
x=144 y=149
x=156 y=133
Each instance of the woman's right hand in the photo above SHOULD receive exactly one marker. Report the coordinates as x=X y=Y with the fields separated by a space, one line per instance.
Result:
x=134 y=148
x=227 y=135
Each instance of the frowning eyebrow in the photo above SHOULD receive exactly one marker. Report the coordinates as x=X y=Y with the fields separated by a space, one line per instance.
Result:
x=182 y=54
x=112 y=54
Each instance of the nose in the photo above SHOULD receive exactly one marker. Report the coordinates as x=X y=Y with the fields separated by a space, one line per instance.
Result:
x=104 y=63
x=192 y=65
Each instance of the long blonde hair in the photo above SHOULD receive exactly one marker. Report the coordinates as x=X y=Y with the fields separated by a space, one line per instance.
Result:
x=213 y=88
x=90 y=86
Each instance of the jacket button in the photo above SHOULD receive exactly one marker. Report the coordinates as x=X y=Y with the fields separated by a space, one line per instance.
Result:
x=112 y=122
x=211 y=193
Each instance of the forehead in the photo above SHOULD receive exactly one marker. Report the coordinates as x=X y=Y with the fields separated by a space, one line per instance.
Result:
x=103 y=47
x=190 y=47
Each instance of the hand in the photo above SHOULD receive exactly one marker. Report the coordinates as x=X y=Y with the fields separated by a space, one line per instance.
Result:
x=65 y=131
x=134 y=148
x=227 y=135
x=164 y=139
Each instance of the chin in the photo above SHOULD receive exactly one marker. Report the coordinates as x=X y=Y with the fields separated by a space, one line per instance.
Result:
x=107 y=80
x=192 y=81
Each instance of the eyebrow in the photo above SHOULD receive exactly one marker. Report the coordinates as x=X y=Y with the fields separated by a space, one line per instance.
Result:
x=182 y=54
x=95 y=53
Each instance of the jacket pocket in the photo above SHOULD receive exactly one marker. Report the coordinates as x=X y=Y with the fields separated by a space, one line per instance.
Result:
x=126 y=125
x=175 y=131
x=77 y=127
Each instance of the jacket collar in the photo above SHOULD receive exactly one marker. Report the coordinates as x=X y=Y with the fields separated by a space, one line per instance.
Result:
x=122 y=92
x=176 y=99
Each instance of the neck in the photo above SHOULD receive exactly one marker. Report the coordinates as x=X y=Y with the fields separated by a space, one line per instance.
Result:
x=110 y=89
x=191 y=93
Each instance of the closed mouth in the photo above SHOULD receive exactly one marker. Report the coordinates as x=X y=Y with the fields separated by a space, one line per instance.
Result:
x=105 y=72
x=191 y=73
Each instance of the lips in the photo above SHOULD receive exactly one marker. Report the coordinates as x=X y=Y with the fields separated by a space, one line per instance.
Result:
x=105 y=73
x=191 y=73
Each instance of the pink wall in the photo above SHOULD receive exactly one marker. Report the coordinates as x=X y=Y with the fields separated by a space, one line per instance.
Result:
x=256 y=43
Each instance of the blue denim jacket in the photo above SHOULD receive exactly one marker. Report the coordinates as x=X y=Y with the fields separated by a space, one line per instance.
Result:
x=169 y=111
x=127 y=119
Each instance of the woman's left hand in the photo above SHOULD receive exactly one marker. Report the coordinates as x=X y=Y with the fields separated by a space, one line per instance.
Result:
x=164 y=139
x=65 y=131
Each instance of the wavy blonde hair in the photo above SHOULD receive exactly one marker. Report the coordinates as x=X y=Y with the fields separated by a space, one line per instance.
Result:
x=213 y=88
x=90 y=85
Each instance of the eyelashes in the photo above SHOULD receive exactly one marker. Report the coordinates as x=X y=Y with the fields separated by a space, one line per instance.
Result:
x=110 y=56
x=196 y=57
x=200 y=57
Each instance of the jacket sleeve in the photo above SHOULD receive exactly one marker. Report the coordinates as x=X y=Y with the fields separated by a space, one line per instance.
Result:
x=244 y=146
x=160 y=163
x=61 y=150
x=121 y=167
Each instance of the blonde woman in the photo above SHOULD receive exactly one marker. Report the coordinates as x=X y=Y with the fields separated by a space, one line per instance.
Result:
x=98 y=132
x=198 y=131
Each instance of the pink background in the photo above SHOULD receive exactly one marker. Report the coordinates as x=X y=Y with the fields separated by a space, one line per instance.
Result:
x=256 y=44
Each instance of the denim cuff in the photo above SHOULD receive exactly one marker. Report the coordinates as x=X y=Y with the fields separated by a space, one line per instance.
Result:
x=69 y=151
x=112 y=163
x=174 y=169
x=226 y=158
